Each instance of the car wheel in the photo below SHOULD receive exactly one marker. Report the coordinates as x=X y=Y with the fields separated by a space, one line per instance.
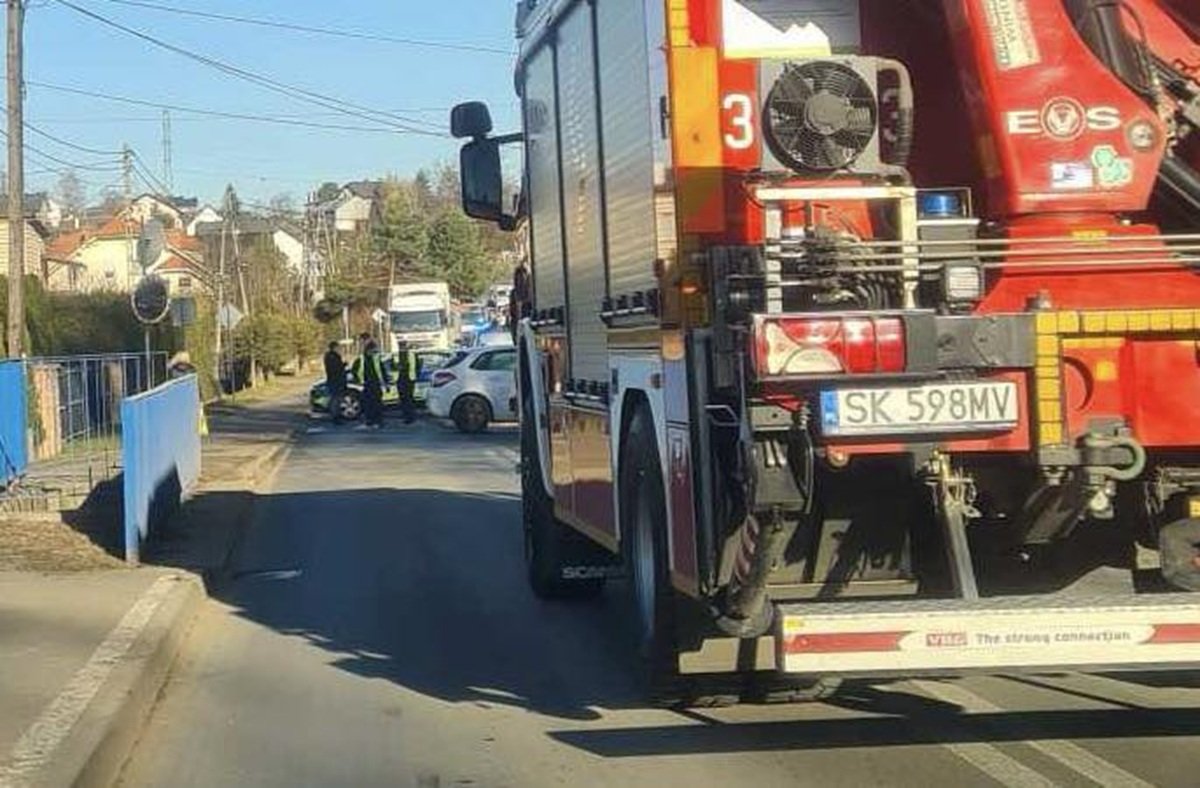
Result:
x=350 y=406
x=471 y=414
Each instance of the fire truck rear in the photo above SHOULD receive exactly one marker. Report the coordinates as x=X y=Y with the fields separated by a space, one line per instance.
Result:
x=863 y=336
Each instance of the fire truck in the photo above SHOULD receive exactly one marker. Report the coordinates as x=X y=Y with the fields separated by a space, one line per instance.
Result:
x=863 y=334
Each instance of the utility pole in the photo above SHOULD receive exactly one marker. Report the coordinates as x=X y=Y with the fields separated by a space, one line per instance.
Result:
x=127 y=189
x=16 y=180
x=168 y=164
x=221 y=293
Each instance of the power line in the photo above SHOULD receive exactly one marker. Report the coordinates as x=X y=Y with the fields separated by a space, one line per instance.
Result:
x=70 y=164
x=325 y=31
x=69 y=144
x=300 y=94
x=278 y=120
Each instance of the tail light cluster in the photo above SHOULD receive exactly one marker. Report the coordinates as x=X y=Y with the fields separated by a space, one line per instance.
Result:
x=441 y=378
x=786 y=347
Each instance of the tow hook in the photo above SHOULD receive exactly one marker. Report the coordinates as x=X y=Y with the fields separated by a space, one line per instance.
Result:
x=1100 y=481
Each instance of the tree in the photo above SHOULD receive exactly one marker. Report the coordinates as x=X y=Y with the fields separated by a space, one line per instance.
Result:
x=328 y=191
x=456 y=255
x=111 y=201
x=401 y=237
x=71 y=192
x=282 y=206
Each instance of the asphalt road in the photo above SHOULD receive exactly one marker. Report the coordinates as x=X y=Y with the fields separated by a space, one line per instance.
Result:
x=379 y=632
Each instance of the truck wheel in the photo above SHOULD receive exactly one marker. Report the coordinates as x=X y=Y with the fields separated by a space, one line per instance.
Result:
x=643 y=530
x=471 y=414
x=549 y=545
x=1179 y=548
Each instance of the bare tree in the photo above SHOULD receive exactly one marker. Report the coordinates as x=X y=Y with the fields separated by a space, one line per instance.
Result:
x=71 y=192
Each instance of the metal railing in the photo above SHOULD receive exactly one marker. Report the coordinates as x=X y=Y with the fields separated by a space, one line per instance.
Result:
x=75 y=419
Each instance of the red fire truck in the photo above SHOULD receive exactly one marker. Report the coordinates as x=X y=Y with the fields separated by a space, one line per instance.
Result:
x=863 y=334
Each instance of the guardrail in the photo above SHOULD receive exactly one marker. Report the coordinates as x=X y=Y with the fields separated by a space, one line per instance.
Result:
x=160 y=454
x=13 y=416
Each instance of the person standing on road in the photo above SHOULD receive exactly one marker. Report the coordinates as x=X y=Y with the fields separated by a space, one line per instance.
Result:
x=335 y=381
x=374 y=381
x=521 y=295
x=406 y=381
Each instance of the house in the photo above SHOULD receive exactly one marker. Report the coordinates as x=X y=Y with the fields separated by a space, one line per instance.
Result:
x=145 y=207
x=183 y=269
x=36 y=235
x=205 y=215
x=356 y=207
x=289 y=241
x=251 y=230
x=107 y=255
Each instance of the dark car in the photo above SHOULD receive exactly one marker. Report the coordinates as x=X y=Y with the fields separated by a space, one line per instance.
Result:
x=351 y=406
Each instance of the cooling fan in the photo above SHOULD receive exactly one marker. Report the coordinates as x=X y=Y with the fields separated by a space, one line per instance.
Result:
x=824 y=116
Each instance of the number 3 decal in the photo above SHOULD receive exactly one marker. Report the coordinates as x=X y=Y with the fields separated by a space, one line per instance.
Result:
x=741 y=134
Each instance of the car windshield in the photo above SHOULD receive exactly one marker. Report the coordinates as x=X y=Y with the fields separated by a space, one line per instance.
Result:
x=432 y=320
x=475 y=316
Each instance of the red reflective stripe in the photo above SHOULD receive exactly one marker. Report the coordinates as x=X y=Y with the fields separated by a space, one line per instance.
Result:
x=843 y=641
x=1175 y=633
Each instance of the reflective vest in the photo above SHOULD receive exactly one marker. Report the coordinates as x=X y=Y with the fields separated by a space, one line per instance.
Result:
x=410 y=366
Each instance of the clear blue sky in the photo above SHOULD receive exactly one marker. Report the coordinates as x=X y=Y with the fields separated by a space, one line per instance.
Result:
x=261 y=160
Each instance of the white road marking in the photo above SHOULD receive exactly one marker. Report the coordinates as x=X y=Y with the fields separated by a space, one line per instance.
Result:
x=1000 y=767
x=37 y=746
x=1069 y=754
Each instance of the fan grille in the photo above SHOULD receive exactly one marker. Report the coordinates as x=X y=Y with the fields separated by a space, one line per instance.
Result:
x=819 y=116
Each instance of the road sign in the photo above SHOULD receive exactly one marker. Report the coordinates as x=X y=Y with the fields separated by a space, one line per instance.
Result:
x=151 y=299
x=229 y=316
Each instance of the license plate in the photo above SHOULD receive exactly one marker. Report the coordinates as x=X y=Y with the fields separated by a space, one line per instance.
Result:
x=950 y=407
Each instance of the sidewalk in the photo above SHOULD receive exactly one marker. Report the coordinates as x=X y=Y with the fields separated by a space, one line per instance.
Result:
x=85 y=643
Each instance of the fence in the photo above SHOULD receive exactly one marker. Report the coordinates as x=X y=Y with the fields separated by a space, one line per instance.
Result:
x=13 y=414
x=75 y=418
x=160 y=454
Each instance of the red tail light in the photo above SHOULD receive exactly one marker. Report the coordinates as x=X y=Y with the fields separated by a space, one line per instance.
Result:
x=798 y=346
x=441 y=378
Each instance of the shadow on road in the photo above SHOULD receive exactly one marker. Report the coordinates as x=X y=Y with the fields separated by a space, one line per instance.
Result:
x=901 y=731
x=424 y=589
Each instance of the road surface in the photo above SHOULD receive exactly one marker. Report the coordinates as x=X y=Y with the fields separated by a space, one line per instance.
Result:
x=379 y=632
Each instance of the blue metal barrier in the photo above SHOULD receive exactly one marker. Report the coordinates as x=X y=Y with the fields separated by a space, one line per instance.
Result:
x=13 y=415
x=161 y=456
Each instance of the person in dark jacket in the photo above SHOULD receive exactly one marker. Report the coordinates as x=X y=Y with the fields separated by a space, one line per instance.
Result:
x=407 y=371
x=335 y=380
x=374 y=381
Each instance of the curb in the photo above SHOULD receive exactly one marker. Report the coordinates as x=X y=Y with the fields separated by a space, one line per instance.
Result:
x=95 y=749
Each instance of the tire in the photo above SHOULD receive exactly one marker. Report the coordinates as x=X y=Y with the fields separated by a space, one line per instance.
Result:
x=1179 y=549
x=471 y=413
x=652 y=600
x=548 y=543
x=350 y=406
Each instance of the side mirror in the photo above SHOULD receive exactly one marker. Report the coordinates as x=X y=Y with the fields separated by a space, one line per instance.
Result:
x=482 y=182
x=471 y=119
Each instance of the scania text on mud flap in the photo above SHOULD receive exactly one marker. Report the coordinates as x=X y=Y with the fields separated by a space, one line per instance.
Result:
x=841 y=393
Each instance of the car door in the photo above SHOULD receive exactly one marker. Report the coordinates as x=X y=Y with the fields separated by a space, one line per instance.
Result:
x=498 y=380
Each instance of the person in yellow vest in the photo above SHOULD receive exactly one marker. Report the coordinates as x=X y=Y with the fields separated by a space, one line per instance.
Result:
x=374 y=381
x=406 y=380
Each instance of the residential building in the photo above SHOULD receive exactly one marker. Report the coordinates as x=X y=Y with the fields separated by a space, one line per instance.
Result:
x=356 y=207
x=107 y=254
x=205 y=215
x=36 y=236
